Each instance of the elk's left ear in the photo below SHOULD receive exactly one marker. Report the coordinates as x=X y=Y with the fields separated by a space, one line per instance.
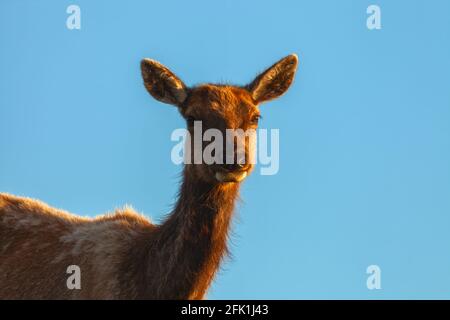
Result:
x=162 y=83
x=275 y=81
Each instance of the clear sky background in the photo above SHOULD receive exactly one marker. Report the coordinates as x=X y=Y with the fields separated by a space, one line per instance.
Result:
x=364 y=131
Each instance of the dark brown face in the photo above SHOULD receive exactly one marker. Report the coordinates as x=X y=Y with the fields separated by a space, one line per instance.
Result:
x=233 y=113
x=217 y=109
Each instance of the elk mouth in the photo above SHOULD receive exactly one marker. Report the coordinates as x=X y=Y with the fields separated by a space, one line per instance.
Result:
x=234 y=176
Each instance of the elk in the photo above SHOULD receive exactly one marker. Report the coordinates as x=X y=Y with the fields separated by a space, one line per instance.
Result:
x=123 y=255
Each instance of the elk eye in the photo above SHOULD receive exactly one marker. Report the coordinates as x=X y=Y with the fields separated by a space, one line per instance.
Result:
x=255 y=119
x=190 y=121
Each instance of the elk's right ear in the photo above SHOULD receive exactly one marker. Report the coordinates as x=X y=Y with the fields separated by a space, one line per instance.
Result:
x=162 y=84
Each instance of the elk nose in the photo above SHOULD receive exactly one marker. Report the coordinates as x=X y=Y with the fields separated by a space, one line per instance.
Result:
x=240 y=165
x=234 y=166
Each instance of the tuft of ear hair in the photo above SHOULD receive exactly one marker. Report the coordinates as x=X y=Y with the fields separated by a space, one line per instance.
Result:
x=275 y=81
x=162 y=83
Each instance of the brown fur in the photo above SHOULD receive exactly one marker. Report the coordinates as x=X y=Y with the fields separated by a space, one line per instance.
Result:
x=123 y=255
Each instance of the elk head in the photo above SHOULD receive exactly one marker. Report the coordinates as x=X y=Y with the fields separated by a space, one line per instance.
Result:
x=229 y=111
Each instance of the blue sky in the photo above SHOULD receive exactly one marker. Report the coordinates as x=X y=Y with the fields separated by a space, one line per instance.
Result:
x=364 y=131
